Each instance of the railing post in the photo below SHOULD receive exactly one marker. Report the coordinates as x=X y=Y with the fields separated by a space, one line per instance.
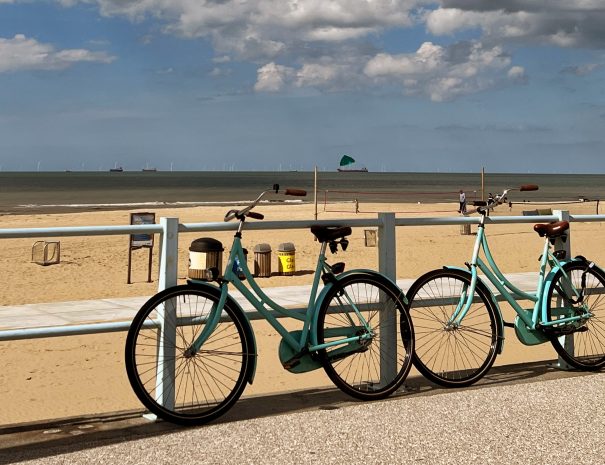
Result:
x=563 y=215
x=387 y=265
x=165 y=369
x=387 y=251
x=169 y=253
x=565 y=244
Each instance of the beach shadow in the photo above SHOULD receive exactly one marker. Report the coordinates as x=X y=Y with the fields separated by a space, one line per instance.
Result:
x=296 y=273
x=39 y=440
x=526 y=233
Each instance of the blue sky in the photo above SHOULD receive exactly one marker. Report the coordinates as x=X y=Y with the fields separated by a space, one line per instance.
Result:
x=400 y=85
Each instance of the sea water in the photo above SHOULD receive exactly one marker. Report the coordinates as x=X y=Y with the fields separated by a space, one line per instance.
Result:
x=25 y=192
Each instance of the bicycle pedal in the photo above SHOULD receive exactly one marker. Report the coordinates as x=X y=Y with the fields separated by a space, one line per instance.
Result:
x=295 y=360
x=289 y=364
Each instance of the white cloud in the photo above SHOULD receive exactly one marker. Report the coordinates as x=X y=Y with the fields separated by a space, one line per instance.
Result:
x=561 y=23
x=22 y=53
x=516 y=73
x=263 y=29
x=325 y=74
x=427 y=59
x=442 y=73
x=329 y=45
x=273 y=78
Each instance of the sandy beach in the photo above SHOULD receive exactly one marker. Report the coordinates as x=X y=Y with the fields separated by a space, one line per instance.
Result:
x=83 y=375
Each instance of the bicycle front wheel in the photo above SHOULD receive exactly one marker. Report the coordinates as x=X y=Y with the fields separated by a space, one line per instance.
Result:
x=449 y=354
x=584 y=347
x=177 y=385
x=369 y=309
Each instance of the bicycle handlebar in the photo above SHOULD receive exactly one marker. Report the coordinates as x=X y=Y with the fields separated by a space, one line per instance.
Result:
x=499 y=199
x=245 y=212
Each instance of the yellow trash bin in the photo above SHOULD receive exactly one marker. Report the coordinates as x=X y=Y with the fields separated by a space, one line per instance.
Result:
x=286 y=260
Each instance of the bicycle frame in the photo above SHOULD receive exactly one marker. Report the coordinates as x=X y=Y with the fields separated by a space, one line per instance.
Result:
x=236 y=264
x=538 y=317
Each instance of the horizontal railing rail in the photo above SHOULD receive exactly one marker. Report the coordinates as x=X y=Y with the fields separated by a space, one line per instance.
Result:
x=169 y=229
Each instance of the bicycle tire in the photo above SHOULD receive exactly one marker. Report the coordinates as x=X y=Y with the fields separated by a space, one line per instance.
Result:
x=206 y=384
x=359 y=368
x=454 y=356
x=588 y=349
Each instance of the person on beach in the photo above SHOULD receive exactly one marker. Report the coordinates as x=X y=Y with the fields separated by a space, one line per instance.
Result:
x=462 y=208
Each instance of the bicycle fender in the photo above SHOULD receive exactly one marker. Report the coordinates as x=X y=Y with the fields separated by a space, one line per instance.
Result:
x=483 y=286
x=250 y=339
x=395 y=286
x=327 y=287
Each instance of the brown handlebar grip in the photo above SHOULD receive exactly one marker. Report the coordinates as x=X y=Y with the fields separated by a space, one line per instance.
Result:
x=255 y=215
x=296 y=192
x=529 y=187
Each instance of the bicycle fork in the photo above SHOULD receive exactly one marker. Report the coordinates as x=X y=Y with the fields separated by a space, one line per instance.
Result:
x=212 y=321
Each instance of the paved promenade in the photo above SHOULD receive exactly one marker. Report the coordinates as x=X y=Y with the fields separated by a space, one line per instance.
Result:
x=60 y=314
x=533 y=419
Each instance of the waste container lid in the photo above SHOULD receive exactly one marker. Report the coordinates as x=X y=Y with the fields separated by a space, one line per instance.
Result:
x=262 y=248
x=206 y=244
x=286 y=247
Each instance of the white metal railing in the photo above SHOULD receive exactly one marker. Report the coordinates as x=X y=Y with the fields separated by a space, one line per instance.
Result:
x=169 y=229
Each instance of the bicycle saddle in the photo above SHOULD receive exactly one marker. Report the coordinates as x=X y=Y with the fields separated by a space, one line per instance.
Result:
x=330 y=233
x=555 y=229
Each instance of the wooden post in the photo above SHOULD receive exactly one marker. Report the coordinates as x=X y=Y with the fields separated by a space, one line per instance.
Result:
x=483 y=184
x=315 y=192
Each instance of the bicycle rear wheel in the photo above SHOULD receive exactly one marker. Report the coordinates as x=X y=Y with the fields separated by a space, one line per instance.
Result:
x=585 y=347
x=375 y=367
x=180 y=387
x=446 y=354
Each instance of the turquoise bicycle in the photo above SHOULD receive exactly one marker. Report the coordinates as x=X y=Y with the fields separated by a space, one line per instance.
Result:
x=459 y=325
x=190 y=350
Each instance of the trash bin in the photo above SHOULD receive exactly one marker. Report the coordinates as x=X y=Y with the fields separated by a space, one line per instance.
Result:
x=465 y=229
x=286 y=265
x=370 y=237
x=262 y=260
x=205 y=253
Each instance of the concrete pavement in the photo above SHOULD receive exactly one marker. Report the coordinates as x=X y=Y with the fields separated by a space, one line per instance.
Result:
x=56 y=314
x=523 y=415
